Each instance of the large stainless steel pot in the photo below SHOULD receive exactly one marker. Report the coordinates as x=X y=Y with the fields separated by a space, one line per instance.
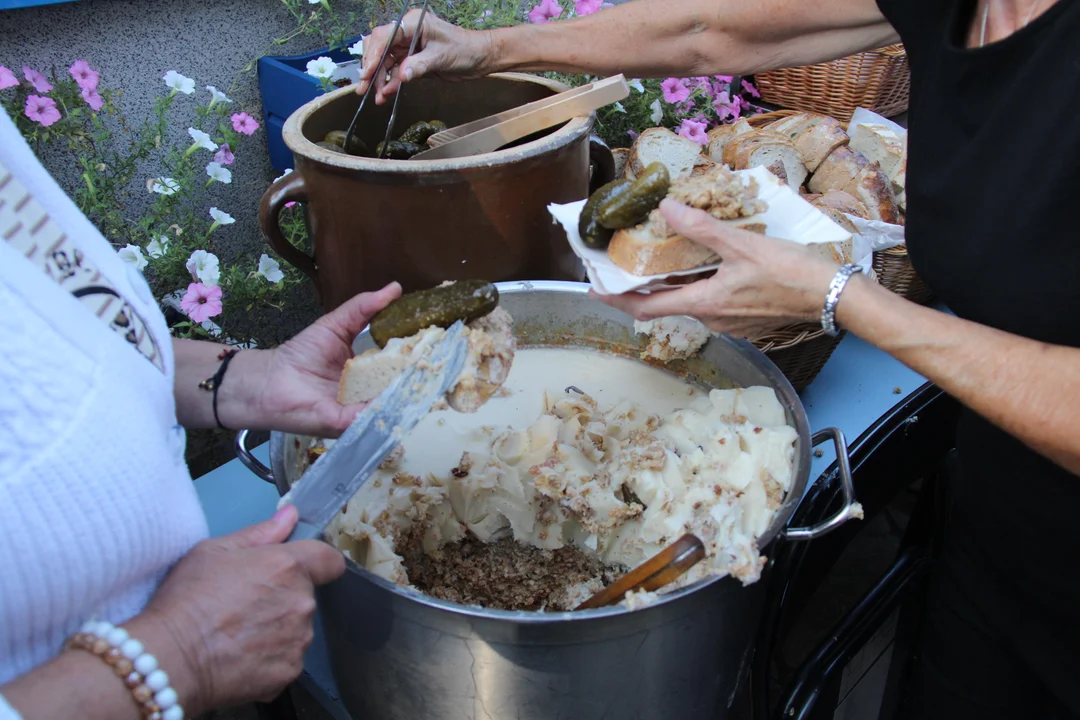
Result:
x=399 y=655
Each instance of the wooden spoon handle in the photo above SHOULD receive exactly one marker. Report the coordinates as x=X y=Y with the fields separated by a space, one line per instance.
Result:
x=554 y=110
x=661 y=569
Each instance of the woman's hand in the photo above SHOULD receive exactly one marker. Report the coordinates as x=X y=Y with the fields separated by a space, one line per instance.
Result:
x=443 y=50
x=302 y=375
x=762 y=283
x=232 y=620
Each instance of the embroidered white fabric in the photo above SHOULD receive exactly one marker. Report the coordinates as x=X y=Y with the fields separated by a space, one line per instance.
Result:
x=96 y=502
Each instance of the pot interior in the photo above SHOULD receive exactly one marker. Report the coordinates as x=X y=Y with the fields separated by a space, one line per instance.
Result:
x=427 y=99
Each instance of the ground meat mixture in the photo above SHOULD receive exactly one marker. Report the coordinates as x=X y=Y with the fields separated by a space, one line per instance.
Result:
x=720 y=193
x=504 y=574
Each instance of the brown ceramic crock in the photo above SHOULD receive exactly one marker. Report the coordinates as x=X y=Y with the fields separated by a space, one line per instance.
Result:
x=422 y=222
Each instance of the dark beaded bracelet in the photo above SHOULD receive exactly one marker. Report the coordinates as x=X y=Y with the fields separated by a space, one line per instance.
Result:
x=212 y=384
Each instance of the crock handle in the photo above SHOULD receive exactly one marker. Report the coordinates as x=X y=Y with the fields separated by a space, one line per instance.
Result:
x=286 y=189
x=601 y=164
x=251 y=462
x=851 y=508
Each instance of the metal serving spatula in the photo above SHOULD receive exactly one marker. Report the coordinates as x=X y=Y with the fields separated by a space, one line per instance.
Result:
x=345 y=467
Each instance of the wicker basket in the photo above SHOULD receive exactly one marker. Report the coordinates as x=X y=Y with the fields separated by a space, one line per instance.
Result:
x=800 y=351
x=894 y=271
x=878 y=80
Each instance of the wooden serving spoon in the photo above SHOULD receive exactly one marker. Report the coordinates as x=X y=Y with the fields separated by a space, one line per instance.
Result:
x=665 y=567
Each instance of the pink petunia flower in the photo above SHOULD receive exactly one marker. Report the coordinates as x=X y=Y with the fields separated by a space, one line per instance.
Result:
x=694 y=130
x=85 y=76
x=546 y=11
x=224 y=155
x=42 y=110
x=750 y=89
x=36 y=79
x=675 y=90
x=200 y=302
x=7 y=78
x=724 y=78
x=587 y=7
x=244 y=123
x=90 y=95
x=633 y=135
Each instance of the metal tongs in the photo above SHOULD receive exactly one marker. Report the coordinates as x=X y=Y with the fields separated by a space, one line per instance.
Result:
x=379 y=69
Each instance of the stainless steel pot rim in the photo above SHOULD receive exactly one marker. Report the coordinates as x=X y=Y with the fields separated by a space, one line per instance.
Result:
x=300 y=145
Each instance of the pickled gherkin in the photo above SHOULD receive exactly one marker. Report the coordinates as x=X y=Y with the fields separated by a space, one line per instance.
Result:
x=399 y=150
x=633 y=206
x=420 y=132
x=356 y=145
x=593 y=234
x=442 y=306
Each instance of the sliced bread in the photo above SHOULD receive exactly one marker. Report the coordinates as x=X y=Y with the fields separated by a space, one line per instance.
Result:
x=622 y=157
x=874 y=190
x=837 y=170
x=718 y=138
x=649 y=250
x=794 y=125
x=818 y=141
x=766 y=149
x=679 y=154
x=842 y=201
x=879 y=144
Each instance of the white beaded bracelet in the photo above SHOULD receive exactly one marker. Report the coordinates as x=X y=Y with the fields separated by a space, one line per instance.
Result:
x=138 y=669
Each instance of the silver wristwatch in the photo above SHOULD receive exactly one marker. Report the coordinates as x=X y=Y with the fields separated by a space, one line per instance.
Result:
x=828 y=312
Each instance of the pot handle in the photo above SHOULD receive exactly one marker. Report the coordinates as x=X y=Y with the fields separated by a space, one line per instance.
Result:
x=251 y=462
x=601 y=164
x=286 y=189
x=851 y=508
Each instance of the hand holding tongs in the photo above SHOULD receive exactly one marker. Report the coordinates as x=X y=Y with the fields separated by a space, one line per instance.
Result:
x=379 y=69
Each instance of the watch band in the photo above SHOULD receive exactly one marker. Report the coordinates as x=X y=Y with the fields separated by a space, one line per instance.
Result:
x=828 y=311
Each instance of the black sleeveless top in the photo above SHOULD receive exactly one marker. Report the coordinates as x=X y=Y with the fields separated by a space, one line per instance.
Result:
x=993 y=226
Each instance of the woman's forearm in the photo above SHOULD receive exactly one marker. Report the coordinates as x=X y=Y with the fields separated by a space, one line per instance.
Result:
x=657 y=38
x=1027 y=388
x=77 y=684
x=239 y=395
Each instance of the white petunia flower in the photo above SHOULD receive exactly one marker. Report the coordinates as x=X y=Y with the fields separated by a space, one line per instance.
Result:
x=204 y=267
x=270 y=269
x=617 y=107
x=657 y=112
x=635 y=84
x=357 y=48
x=202 y=139
x=220 y=217
x=164 y=186
x=217 y=96
x=158 y=246
x=219 y=172
x=179 y=83
x=322 y=68
x=132 y=255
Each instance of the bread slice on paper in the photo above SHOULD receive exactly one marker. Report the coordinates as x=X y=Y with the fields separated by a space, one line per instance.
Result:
x=788 y=216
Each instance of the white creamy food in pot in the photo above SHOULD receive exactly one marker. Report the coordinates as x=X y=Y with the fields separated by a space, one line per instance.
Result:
x=619 y=472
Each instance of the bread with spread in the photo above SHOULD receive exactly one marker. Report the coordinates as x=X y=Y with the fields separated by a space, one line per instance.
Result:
x=491 y=346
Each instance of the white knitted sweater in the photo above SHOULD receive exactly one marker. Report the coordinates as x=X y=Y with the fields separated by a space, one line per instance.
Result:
x=96 y=502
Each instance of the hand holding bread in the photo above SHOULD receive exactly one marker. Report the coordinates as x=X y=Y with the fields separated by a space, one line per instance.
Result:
x=763 y=284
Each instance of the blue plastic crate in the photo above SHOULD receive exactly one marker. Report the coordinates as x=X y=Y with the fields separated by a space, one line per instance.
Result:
x=284 y=86
x=14 y=4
